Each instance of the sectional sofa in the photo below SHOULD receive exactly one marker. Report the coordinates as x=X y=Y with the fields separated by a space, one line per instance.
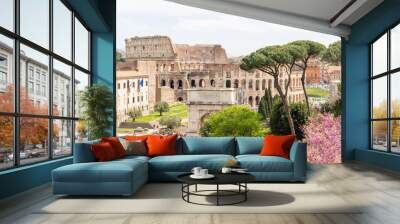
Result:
x=125 y=176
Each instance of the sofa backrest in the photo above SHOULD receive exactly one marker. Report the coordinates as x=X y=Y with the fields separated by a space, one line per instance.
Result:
x=206 y=145
x=83 y=152
x=249 y=145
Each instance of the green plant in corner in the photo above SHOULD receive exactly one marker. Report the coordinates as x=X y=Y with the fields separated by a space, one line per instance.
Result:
x=97 y=104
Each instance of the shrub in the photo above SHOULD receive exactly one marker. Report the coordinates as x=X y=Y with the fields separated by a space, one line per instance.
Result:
x=134 y=113
x=323 y=135
x=235 y=120
x=171 y=122
x=279 y=123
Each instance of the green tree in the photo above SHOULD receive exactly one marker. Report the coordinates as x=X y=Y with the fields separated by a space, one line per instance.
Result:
x=265 y=105
x=278 y=121
x=161 y=107
x=313 y=50
x=171 y=122
x=333 y=54
x=235 y=120
x=97 y=104
x=134 y=113
x=276 y=60
x=334 y=107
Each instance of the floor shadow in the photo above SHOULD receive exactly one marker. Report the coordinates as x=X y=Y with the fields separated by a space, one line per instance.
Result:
x=256 y=198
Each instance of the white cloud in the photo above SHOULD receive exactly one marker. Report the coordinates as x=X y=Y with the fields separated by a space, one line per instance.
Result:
x=190 y=25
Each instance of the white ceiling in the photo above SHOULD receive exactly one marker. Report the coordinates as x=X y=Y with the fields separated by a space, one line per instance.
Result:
x=315 y=15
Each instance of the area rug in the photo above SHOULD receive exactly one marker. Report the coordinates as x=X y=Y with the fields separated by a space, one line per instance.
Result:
x=166 y=198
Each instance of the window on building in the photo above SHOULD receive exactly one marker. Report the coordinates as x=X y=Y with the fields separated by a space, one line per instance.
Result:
x=228 y=83
x=180 y=84
x=212 y=82
x=119 y=86
x=163 y=83
x=385 y=97
x=236 y=84
x=49 y=113
x=193 y=83
x=257 y=84
x=202 y=83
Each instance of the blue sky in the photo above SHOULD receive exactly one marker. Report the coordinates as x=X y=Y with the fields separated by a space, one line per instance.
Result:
x=184 y=24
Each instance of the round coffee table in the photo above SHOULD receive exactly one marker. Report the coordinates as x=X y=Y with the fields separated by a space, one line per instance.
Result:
x=238 y=179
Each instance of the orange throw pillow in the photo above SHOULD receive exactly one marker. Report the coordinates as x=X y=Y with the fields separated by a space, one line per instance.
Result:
x=103 y=152
x=116 y=145
x=136 y=138
x=277 y=145
x=161 y=145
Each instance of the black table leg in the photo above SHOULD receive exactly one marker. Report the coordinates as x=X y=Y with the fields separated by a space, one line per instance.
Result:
x=217 y=194
x=195 y=188
x=245 y=193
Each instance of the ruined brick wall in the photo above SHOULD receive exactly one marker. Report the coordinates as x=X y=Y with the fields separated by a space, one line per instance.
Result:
x=149 y=47
x=201 y=53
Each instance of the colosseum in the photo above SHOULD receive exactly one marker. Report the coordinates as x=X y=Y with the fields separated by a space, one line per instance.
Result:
x=171 y=69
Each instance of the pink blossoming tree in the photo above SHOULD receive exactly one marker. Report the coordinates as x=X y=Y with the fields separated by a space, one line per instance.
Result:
x=323 y=136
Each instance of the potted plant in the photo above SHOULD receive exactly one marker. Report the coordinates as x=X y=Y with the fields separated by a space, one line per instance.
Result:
x=96 y=102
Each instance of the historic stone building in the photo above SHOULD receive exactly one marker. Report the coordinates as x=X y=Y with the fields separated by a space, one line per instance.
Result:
x=171 y=70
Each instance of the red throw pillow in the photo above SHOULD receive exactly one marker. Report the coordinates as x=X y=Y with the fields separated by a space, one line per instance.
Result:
x=277 y=145
x=103 y=152
x=116 y=145
x=161 y=145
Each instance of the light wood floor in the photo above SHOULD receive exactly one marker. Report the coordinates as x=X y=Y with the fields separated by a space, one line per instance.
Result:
x=377 y=188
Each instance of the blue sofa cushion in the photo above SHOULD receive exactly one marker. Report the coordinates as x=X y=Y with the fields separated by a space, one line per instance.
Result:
x=207 y=145
x=249 y=145
x=83 y=153
x=112 y=171
x=257 y=163
x=185 y=163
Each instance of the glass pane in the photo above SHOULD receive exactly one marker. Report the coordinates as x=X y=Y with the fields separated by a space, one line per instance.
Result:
x=6 y=142
x=395 y=47
x=81 y=45
x=395 y=94
x=81 y=131
x=34 y=16
x=6 y=74
x=81 y=81
x=395 y=138
x=7 y=14
x=379 y=55
x=62 y=89
x=379 y=135
x=34 y=78
x=62 y=138
x=62 y=29
x=33 y=139
x=379 y=98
